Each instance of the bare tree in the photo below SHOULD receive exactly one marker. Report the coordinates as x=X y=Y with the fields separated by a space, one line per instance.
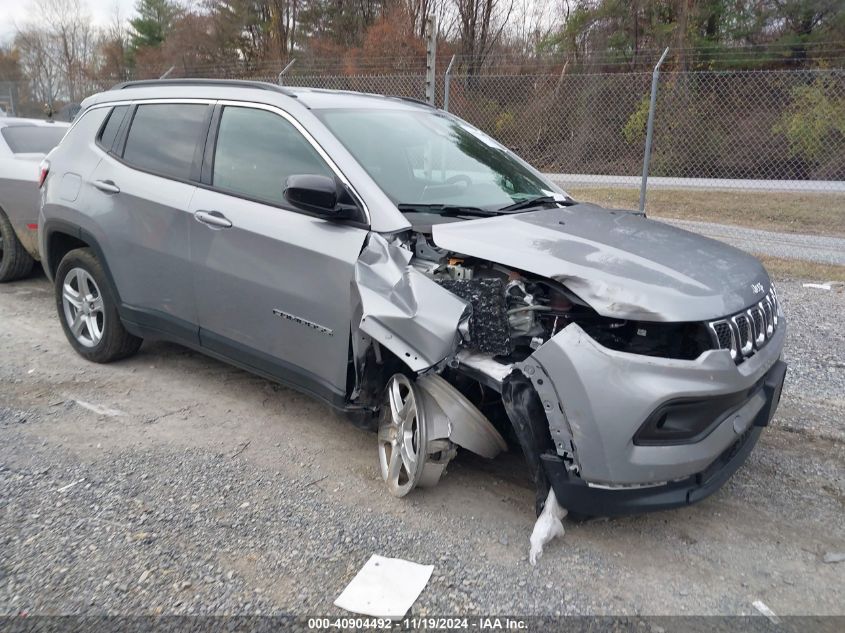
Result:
x=111 y=58
x=57 y=49
x=38 y=63
x=480 y=25
x=70 y=24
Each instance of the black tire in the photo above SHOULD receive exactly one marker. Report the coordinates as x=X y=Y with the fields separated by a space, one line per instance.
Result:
x=15 y=262
x=114 y=341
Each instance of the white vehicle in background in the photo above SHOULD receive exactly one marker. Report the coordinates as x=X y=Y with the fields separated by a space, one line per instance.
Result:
x=23 y=145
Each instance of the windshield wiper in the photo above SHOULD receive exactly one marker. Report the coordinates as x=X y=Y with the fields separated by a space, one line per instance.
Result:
x=529 y=202
x=446 y=209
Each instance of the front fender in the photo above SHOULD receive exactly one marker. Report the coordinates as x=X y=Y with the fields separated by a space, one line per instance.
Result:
x=402 y=309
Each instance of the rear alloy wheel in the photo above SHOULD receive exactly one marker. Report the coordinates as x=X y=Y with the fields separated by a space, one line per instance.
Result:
x=83 y=307
x=88 y=310
x=15 y=262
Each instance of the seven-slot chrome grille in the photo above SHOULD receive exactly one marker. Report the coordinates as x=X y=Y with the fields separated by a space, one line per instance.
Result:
x=745 y=332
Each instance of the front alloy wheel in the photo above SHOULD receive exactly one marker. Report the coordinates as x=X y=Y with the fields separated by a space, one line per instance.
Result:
x=402 y=437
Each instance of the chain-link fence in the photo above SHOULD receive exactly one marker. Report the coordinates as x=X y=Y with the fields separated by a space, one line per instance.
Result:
x=768 y=129
x=765 y=130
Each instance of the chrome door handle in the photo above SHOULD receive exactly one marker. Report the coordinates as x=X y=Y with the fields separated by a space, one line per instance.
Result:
x=106 y=186
x=213 y=218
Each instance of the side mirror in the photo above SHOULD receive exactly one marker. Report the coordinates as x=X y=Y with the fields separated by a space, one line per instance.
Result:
x=317 y=194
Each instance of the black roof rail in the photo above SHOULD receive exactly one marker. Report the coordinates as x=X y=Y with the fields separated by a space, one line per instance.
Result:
x=236 y=83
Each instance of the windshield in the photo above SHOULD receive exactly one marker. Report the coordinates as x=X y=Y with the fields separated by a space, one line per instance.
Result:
x=427 y=158
x=33 y=139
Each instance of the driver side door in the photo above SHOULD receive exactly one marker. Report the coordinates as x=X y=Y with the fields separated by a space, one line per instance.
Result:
x=272 y=284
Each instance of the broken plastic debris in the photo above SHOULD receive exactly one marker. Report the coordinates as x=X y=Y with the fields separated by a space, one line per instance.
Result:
x=100 y=410
x=70 y=485
x=763 y=609
x=834 y=557
x=385 y=587
x=547 y=527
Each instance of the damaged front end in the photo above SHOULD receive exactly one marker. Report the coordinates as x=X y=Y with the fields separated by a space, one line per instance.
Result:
x=442 y=352
x=618 y=403
x=409 y=331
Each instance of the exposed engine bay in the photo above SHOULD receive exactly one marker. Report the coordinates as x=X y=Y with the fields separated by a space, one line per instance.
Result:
x=514 y=313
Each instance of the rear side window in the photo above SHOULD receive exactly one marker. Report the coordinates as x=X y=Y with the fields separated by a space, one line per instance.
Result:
x=163 y=138
x=109 y=131
x=32 y=139
x=257 y=150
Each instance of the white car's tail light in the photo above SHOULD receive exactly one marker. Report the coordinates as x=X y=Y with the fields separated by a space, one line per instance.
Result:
x=43 y=170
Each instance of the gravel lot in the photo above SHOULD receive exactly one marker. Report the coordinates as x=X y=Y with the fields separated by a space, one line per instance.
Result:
x=171 y=483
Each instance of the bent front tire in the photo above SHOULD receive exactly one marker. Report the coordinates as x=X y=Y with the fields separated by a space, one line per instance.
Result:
x=88 y=310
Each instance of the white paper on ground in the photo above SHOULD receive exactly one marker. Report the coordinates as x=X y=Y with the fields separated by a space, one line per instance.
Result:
x=385 y=587
x=765 y=610
x=819 y=286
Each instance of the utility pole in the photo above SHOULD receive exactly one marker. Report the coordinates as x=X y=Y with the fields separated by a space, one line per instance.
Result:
x=430 y=58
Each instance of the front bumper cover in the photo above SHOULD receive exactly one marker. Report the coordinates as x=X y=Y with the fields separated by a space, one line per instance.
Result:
x=596 y=399
x=578 y=496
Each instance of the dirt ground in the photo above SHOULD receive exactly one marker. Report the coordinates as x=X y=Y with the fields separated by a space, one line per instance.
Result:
x=172 y=483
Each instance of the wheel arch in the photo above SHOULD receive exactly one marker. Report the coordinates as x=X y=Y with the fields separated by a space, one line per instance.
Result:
x=62 y=237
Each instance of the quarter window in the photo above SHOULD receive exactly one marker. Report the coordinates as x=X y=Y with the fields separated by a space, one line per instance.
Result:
x=163 y=138
x=256 y=152
x=32 y=139
x=109 y=132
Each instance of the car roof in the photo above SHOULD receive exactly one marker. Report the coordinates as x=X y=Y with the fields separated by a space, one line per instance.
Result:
x=22 y=122
x=257 y=91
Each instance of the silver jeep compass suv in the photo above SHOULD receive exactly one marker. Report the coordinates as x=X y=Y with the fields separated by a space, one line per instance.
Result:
x=394 y=261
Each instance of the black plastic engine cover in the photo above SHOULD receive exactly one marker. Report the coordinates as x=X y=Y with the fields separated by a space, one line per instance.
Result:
x=488 y=326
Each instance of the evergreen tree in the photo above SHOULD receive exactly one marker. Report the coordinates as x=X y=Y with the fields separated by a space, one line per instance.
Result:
x=150 y=28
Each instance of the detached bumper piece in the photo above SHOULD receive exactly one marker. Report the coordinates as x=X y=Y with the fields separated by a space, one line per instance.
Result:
x=576 y=495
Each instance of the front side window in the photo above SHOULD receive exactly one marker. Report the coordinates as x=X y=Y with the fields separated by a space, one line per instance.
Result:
x=32 y=139
x=422 y=157
x=256 y=152
x=163 y=137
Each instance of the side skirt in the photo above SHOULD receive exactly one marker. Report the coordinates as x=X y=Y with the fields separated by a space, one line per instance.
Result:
x=150 y=324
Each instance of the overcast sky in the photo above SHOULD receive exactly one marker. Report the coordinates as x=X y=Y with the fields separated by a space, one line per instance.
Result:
x=14 y=13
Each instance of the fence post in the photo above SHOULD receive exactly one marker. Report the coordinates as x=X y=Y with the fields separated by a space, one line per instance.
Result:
x=430 y=58
x=447 y=82
x=650 y=127
x=281 y=79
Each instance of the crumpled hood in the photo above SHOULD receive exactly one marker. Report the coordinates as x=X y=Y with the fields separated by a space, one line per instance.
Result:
x=620 y=263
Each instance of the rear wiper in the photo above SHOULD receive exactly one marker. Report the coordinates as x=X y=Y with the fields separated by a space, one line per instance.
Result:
x=529 y=202
x=446 y=209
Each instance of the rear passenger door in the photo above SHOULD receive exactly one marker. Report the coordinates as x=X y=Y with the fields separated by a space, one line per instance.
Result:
x=272 y=284
x=142 y=191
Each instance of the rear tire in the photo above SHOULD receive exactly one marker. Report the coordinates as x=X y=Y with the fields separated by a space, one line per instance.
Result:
x=88 y=310
x=15 y=262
